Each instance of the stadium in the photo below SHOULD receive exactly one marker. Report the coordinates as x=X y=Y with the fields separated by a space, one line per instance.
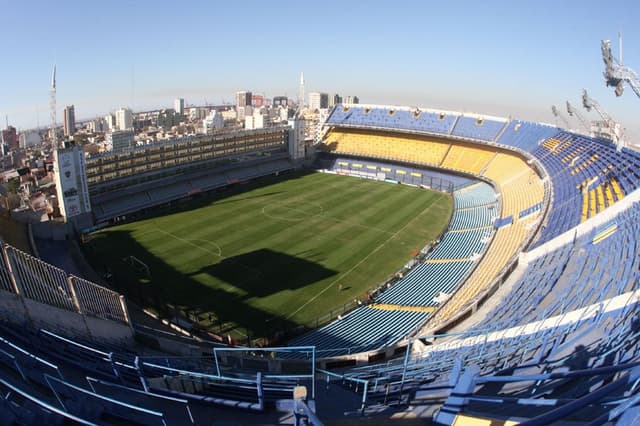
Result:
x=516 y=304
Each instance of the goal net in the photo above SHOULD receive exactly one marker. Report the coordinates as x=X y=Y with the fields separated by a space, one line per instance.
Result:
x=137 y=265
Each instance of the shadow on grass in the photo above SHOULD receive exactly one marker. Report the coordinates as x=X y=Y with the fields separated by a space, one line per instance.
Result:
x=256 y=274
x=265 y=272
x=217 y=195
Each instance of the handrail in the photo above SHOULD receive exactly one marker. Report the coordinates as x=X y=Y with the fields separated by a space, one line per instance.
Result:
x=365 y=384
x=44 y=404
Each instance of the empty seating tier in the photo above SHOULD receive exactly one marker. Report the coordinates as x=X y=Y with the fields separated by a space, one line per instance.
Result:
x=412 y=149
x=480 y=128
x=427 y=121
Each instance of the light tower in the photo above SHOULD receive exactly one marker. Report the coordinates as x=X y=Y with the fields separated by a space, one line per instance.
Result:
x=575 y=113
x=52 y=106
x=615 y=73
x=607 y=128
x=558 y=115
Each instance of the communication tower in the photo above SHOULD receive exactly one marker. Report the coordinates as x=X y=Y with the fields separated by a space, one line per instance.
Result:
x=301 y=93
x=52 y=106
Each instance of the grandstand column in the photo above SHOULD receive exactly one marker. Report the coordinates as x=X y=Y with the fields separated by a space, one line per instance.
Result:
x=14 y=282
x=296 y=139
x=260 y=389
x=405 y=364
x=71 y=187
x=74 y=296
x=76 y=303
x=125 y=311
x=141 y=376
x=12 y=276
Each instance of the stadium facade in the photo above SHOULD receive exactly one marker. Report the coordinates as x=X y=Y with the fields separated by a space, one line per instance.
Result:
x=525 y=311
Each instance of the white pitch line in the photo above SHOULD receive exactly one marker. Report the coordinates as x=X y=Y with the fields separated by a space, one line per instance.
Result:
x=293 y=209
x=322 y=215
x=209 y=242
x=358 y=264
x=257 y=272
x=193 y=244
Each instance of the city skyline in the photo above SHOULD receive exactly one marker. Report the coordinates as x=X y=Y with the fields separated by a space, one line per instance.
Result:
x=499 y=59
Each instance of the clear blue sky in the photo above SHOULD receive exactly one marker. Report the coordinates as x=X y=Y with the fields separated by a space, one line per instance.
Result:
x=495 y=57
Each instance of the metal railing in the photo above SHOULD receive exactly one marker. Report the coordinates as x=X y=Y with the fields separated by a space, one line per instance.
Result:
x=31 y=278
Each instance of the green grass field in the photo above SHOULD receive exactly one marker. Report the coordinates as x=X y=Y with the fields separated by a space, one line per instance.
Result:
x=269 y=256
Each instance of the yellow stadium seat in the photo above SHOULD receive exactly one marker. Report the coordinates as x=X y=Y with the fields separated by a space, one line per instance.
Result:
x=600 y=198
x=608 y=192
x=616 y=189
x=585 y=206
x=592 y=203
x=415 y=149
x=519 y=185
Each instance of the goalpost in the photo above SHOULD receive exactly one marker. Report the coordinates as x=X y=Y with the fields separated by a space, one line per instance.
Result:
x=137 y=264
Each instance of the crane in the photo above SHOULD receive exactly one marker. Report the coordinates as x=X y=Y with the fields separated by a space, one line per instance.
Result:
x=558 y=115
x=615 y=73
x=607 y=128
x=575 y=113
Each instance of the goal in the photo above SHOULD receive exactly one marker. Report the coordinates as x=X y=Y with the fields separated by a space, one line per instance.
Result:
x=138 y=265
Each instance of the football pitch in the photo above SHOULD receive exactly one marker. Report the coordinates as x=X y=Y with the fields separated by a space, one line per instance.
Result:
x=271 y=255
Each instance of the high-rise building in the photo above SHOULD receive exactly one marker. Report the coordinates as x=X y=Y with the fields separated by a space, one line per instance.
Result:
x=124 y=119
x=243 y=112
x=318 y=100
x=280 y=101
x=257 y=101
x=351 y=100
x=111 y=122
x=335 y=100
x=196 y=113
x=167 y=118
x=99 y=125
x=258 y=120
x=213 y=121
x=10 y=137
x=243 y=99
x=178 y=106
x=69 y=121
x=119 y=140
x=29 y=139
x=282 y=114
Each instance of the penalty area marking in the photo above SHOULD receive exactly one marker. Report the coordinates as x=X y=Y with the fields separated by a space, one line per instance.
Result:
x=198 y=246
x=257 y=272
x=213 y=243
x=219 y=254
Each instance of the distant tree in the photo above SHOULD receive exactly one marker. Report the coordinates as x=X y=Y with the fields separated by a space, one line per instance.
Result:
x=13 y=201
x=13 y=185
